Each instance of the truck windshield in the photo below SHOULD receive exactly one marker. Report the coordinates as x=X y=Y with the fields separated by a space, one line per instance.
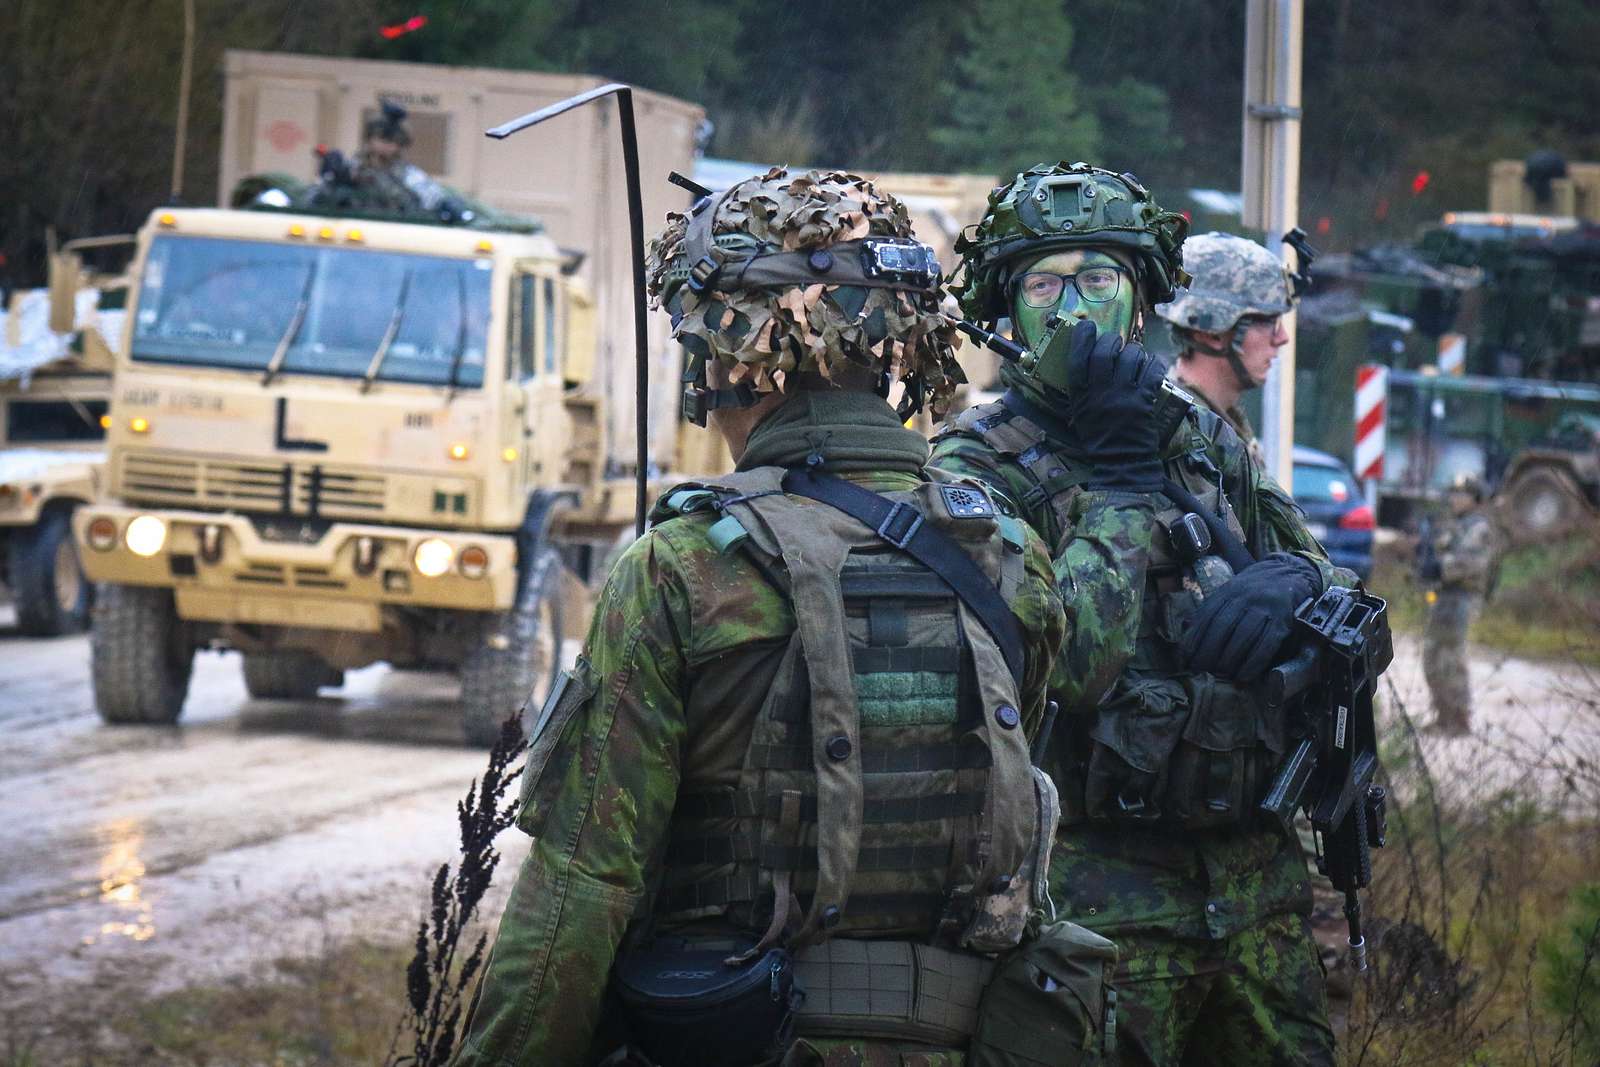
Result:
x=228 y=303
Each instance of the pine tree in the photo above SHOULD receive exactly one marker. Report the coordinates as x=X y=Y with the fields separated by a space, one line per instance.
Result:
x=1014 y=100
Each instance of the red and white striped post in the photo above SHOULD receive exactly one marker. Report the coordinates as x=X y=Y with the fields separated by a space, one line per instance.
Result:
x=1372 y=412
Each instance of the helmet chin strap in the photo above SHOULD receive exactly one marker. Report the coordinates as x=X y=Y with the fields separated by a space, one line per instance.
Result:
x=1233 y=352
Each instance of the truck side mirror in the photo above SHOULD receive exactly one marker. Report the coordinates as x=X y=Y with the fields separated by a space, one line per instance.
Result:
x=65 y=269
x=578 y=346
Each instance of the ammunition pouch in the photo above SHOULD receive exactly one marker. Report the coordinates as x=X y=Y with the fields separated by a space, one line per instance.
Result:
x=687 y=1006
x=1050 y=1003
x=1189 y=753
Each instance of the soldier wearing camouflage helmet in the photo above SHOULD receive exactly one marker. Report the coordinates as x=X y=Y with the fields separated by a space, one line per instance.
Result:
x=1181 y=564
x=800 y=719
x=1458 y=574
x=1229 y=323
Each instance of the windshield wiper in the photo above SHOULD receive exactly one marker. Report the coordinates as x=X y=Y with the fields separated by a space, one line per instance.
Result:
x=461 y=334
x=389 y=333
x=282 y=351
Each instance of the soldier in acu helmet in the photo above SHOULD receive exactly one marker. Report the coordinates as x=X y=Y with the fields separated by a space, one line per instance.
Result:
x=1229 y=324
x=1181 y=565
x=794 y=752
x=1458 y=574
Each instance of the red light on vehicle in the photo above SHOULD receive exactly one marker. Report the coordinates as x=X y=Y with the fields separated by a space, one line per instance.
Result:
x=1358 y=518
x=1324 y=225
x=1420 y=182
x=400 y=29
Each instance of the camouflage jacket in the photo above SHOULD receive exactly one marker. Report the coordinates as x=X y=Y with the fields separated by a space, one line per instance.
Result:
x=1234 y=416
x=683 y=649
x=1468 y=549
x=1111 y=879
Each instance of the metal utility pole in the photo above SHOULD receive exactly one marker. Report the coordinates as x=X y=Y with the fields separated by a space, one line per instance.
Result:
x=1271 y=176
x=180 y=142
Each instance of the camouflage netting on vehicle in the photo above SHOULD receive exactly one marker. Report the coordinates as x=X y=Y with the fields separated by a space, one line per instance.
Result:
x=767 y=333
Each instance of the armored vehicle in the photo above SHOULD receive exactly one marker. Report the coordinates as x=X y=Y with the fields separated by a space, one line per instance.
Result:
x=55 y=388
x=344 y=440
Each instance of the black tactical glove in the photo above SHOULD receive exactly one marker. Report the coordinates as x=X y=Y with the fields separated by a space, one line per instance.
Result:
x=1239 y=630
x=1114 y=388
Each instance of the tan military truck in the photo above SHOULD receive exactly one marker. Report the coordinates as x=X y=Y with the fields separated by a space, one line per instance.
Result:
x=55 y=388
x=341 y=441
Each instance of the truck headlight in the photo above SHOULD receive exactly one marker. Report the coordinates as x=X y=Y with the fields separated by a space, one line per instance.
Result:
x=145 y=536
x=474 y=562
x=433 y=557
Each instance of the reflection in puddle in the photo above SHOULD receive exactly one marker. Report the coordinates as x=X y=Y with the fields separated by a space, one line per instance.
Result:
x=120 y=872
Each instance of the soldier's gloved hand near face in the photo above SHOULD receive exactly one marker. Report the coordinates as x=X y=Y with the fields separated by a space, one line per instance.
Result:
x=1238 y=631
x=1111 y=409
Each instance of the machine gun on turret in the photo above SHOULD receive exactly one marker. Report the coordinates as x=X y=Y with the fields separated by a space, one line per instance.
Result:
x=1326 y=690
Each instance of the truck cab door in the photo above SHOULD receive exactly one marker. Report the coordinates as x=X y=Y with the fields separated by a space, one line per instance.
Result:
x=534 y=366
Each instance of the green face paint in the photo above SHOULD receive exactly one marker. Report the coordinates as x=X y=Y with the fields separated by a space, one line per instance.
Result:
x=1113 y=313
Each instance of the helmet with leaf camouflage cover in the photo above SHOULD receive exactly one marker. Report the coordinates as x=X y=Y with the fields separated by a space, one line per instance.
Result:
x=816 y=273
x=1231 y=278
x=1051 y=208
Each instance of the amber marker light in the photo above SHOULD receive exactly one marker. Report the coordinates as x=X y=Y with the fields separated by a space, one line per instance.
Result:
x=485 y=245
x=509 y=454
x=356 y=236
x=459 y=451
x=139 y=424
x=102 y=534
x=325 y=234
x=474 y=562
x=297 y=230
x=167 y=218
x=105 y=422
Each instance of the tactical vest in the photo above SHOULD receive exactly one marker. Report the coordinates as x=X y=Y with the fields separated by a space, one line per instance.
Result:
x=1166 y=746
x=886 y=791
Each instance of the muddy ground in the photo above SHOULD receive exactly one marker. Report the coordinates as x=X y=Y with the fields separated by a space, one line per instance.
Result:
x=135 y=860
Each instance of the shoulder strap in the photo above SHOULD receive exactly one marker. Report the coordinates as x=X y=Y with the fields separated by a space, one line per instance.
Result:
x=903 y=527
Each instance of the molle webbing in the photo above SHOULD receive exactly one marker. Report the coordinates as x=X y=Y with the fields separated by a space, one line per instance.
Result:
x=890 y=989
x=1055 y=482
x=869 y=780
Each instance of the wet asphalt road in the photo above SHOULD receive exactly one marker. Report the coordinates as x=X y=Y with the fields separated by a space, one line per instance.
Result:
x=137 y=859
x=147 y=858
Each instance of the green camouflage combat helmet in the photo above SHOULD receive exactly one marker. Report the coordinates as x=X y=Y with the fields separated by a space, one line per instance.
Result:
x=1230 y=278
x=1051 y=208
x=811 y=274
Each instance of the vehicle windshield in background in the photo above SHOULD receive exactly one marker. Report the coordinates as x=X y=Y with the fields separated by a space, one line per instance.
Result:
x=1321 y=485
x=229 y=303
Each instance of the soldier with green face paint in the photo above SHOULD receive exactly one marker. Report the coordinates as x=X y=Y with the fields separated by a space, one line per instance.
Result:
x=793 y=755
x=1181 y=564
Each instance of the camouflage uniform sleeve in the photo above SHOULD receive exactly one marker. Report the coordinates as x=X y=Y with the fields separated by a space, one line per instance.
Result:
x=1468 y=554
x=1273 y=522
x=1038 y=607
x=1100 y=570
x=597 y=806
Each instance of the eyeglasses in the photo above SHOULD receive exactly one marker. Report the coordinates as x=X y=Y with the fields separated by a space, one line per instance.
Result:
x=1097 y=285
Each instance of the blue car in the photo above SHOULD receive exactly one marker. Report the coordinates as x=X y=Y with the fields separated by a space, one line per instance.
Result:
x=1337 y=515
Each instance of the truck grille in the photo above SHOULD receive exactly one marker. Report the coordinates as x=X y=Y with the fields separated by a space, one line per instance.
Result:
x=310 y=489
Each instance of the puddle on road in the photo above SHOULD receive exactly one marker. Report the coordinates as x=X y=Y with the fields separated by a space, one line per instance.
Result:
x=121 y=885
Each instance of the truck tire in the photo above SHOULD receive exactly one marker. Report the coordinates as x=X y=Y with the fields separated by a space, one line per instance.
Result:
x=52 y=595
x=514 y=662
x=140 y=656
x=289 y=675
x=1544 y=502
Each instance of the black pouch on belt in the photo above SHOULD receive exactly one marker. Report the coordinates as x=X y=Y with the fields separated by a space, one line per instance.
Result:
x=687 y=1007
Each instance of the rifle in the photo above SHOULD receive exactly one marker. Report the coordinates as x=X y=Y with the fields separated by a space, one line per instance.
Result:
x=1326 y=689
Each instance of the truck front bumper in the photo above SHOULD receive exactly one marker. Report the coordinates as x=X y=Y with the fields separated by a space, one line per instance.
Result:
x=225 y=568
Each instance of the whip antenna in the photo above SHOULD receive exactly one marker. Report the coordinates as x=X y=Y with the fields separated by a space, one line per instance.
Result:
x=630 y=166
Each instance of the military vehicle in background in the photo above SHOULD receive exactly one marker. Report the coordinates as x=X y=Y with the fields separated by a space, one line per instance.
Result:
x=55 y=389
x=341 y=439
